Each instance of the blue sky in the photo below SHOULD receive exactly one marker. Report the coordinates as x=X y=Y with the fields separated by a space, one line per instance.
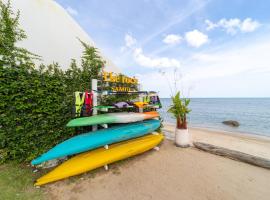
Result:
x=204 y=48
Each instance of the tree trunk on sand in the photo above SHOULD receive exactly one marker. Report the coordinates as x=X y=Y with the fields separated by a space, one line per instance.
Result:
x=181 y=124
x=235 y=155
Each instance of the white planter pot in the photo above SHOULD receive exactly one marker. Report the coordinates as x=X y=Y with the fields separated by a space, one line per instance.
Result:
x=182 y=137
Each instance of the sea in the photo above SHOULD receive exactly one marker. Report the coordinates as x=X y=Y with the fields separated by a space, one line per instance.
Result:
x=253 y=114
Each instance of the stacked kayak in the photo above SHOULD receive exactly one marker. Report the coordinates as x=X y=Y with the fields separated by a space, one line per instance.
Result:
x=125 y=140
x=97 y=158
x=111 y=118
x=95 y=139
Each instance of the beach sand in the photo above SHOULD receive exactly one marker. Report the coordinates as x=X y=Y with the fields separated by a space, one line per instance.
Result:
x=176 y=173
x=251 y=144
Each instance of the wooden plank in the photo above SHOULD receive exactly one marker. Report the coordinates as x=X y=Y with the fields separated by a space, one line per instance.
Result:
x=235 y=155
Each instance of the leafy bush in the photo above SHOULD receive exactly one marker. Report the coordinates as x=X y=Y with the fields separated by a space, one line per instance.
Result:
x=180 y=109
x=35 y=107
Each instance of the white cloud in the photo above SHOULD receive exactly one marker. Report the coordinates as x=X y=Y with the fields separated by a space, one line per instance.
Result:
x=229 y=25
x=159 y=62
x=203 y=57
x=71 y=11
x=129 y=40
x=172 y=39
x=232 y=26
x=249 y=25
x=196 y=38
x=166 y=82
x=147 y=61
x=238 y=70
x=230 y=61
x=210 y=25
x=184 y=14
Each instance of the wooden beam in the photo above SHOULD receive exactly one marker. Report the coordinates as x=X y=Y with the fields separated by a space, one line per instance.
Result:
x=235 y=155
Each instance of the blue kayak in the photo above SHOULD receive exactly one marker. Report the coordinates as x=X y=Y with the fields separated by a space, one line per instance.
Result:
x=99 y=138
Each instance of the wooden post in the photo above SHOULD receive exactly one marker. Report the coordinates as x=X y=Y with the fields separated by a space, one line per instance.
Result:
x=94 y=90
x=235 y=155
x=140 y=98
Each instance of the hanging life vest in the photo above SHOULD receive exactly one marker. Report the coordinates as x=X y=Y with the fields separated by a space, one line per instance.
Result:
x=159 y=102
x=146 y=99
x=79 y=100
x=88 y=104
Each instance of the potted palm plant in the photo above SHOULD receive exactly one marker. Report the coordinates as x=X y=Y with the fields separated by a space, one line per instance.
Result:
x=180 y=109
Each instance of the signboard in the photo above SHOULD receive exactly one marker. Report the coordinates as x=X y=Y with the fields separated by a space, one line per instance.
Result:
x=121 y=82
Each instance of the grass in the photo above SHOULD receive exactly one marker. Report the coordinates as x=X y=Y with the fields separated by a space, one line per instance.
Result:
x=16 y=183
x=16 y=180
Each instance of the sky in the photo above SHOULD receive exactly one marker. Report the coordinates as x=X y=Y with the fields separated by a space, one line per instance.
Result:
x=204 y=48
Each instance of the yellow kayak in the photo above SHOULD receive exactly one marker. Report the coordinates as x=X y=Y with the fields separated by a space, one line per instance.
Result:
x=97 y=158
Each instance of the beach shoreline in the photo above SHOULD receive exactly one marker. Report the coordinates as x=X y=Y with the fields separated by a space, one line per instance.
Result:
x=209 y=113
x=255 y=145
x=255 y=136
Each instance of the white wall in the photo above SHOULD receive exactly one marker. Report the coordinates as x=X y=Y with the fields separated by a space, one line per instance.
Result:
x=52 y=32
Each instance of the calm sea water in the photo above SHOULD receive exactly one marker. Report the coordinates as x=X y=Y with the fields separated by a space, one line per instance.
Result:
x=253 y=114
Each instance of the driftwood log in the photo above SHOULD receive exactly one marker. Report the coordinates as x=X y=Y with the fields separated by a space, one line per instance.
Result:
x=235 y=155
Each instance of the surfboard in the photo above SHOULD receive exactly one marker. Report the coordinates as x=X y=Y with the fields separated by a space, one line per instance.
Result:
x=95 y=139
x=110 y=118
x=97 y=158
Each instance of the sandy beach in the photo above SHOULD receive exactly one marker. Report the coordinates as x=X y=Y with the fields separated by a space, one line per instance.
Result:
x=251 y=144
x=176 y=173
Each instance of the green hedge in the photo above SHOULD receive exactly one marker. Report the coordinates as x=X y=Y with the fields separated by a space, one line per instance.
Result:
x=35 y=107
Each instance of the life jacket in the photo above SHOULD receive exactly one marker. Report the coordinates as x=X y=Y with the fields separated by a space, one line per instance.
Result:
x=146 y=99
x=159 y=102
x=79 y=100
x=88 y=103
x=154 y=99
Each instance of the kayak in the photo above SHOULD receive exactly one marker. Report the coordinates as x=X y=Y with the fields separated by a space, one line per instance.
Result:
x=95 y=139
x=110 y=118
x=100 y=157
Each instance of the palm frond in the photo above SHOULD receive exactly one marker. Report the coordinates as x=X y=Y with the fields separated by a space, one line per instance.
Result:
x=179 y=107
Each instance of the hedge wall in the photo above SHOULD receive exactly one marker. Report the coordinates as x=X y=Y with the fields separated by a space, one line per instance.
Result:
x=35 y=107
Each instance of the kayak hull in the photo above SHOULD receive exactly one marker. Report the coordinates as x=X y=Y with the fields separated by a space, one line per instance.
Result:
x=95 y=139
x=111 y=118
x=97 y=158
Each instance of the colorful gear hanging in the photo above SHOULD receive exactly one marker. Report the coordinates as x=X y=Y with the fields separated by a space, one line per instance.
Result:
x=79 y=100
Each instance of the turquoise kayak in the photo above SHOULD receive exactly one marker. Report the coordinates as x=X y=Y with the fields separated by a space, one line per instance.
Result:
x=99 y=138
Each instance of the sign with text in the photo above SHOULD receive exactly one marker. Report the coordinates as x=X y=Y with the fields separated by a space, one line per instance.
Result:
x=122 y=83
